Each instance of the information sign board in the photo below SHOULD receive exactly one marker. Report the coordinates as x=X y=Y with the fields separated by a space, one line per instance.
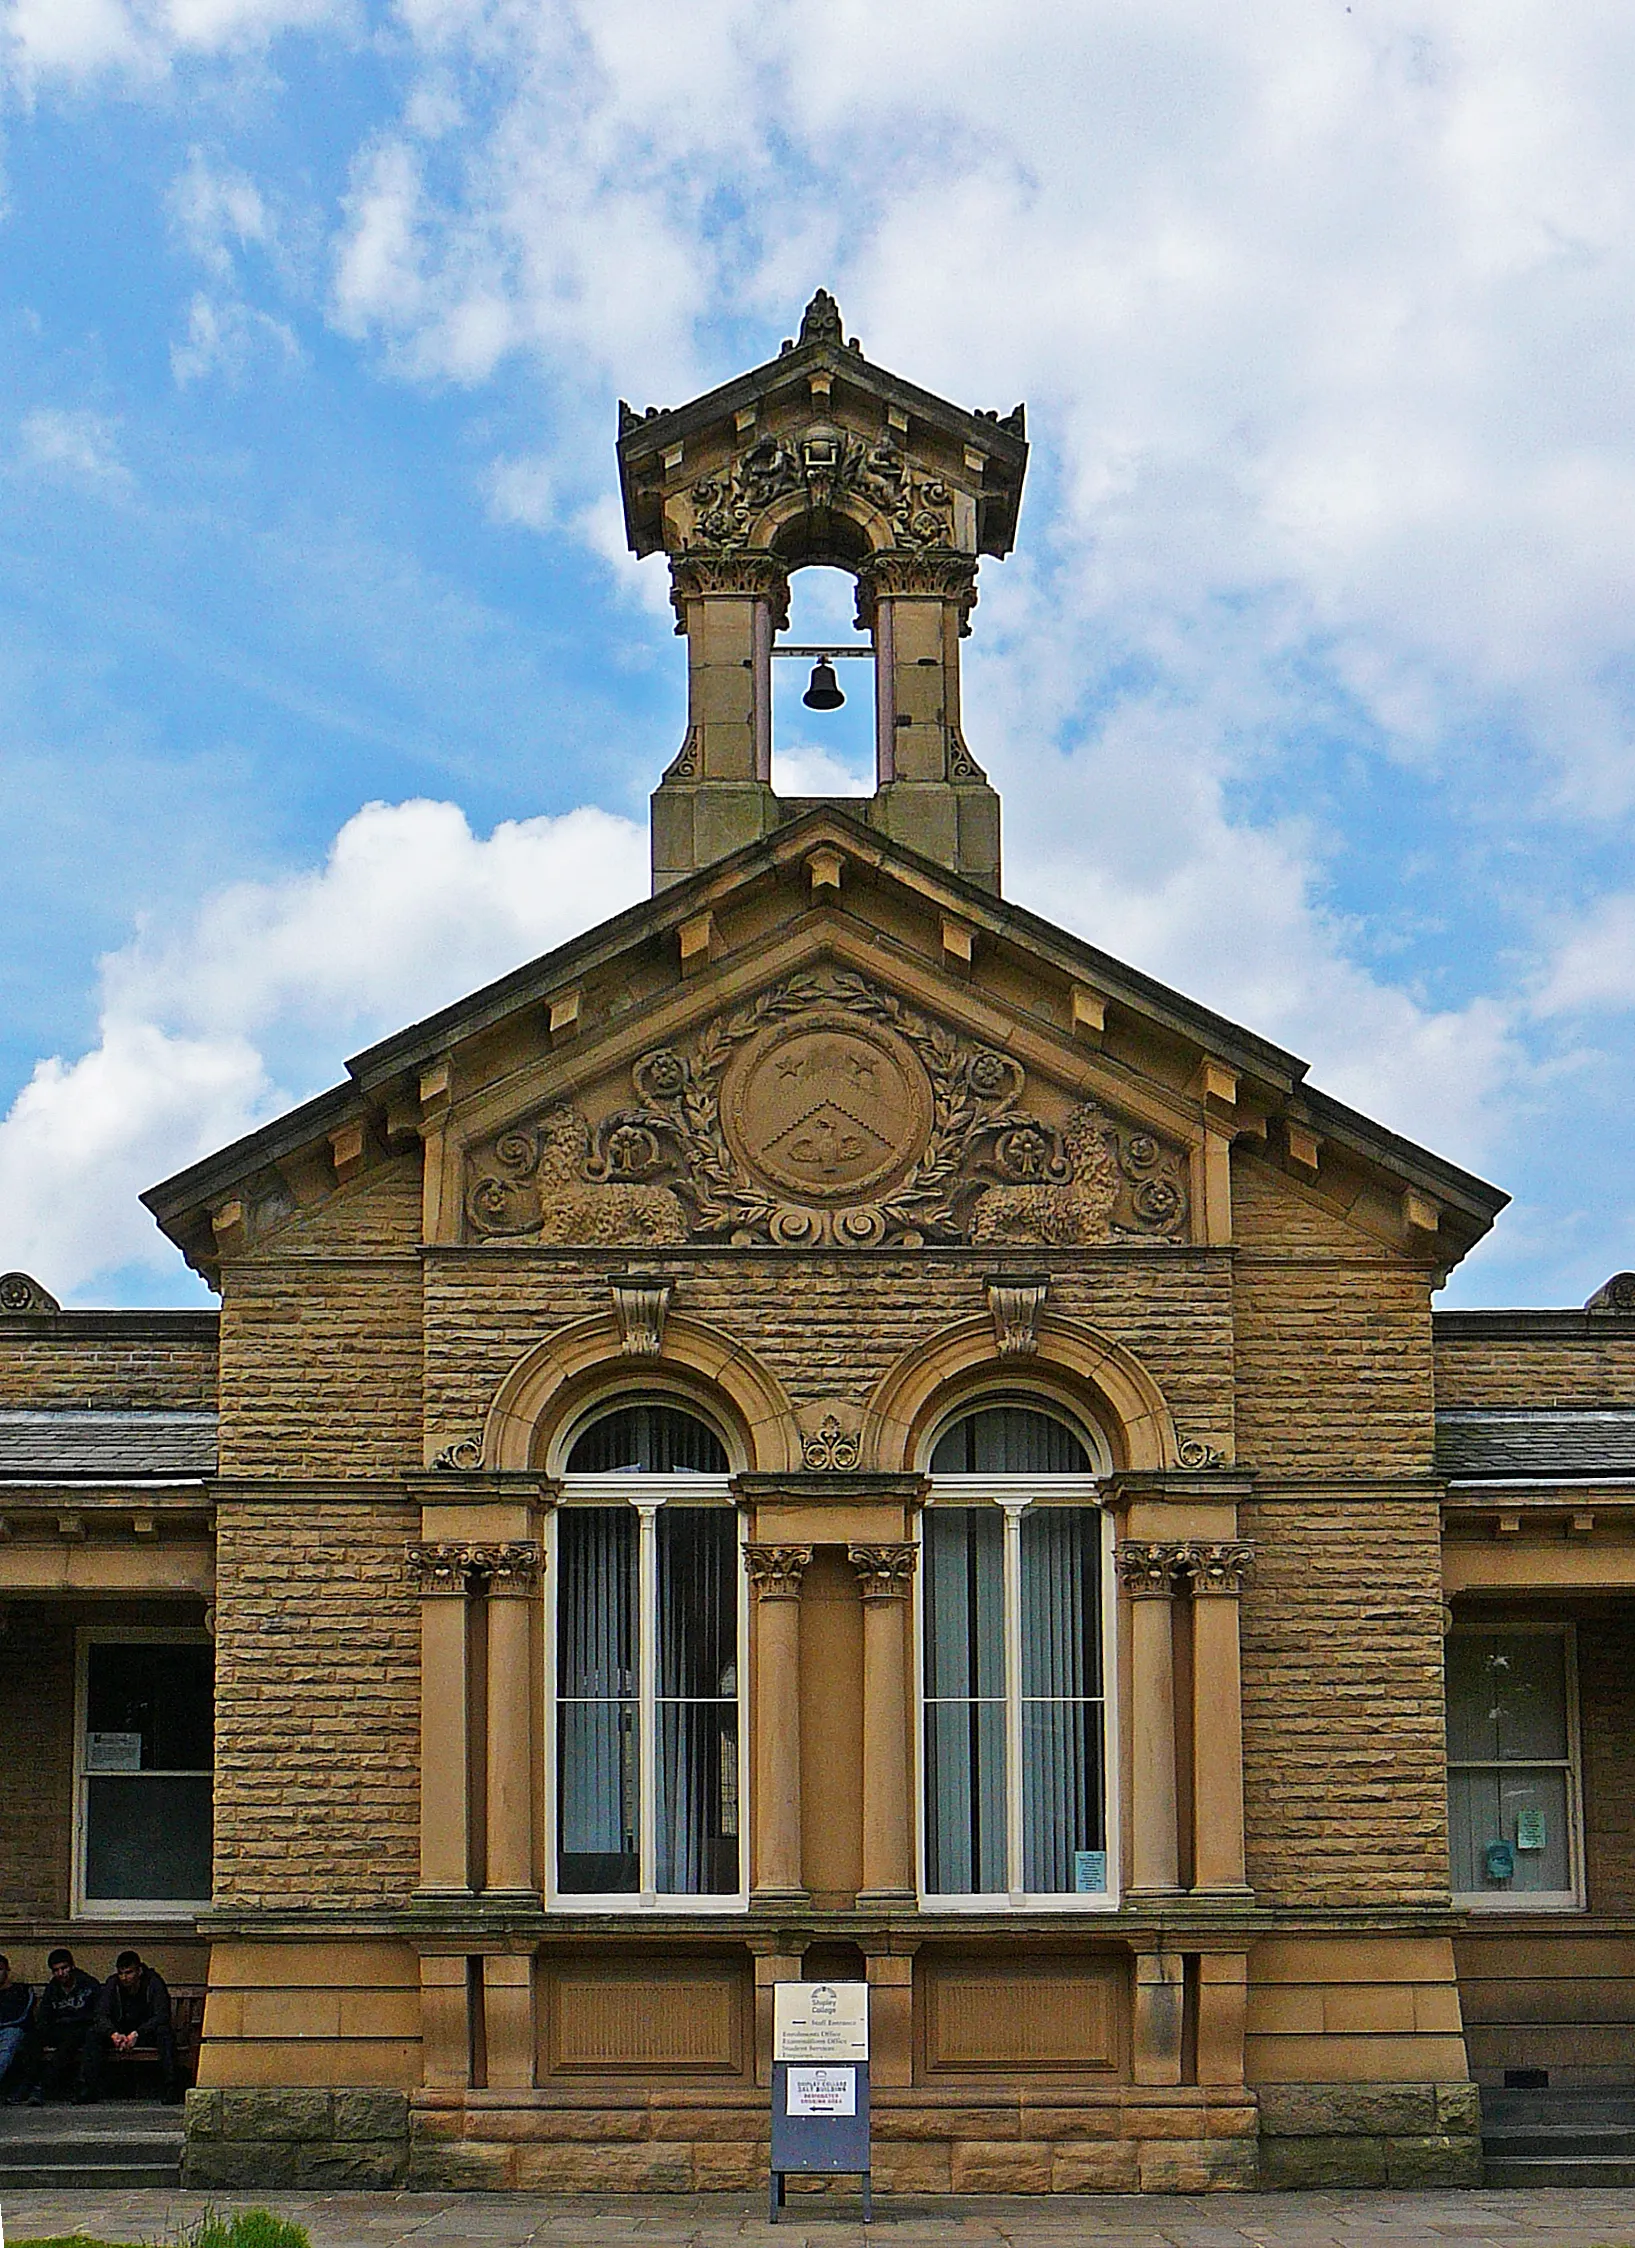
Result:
x=820 y=2085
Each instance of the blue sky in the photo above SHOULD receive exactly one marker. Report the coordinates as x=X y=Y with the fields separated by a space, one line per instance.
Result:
x=326 y=690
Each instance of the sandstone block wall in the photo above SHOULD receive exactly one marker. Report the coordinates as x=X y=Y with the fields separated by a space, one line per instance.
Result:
x=317 y=1703
x=109 y=1361
x=320 y=1367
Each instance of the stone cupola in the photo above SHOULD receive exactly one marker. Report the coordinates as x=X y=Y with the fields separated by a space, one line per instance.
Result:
x=820 y=458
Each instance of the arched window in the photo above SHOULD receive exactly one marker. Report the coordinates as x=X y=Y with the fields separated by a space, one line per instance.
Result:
x=1014 y=1588
x=648 y=1654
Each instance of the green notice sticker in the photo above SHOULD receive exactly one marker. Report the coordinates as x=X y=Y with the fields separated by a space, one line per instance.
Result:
x=1530 y=1830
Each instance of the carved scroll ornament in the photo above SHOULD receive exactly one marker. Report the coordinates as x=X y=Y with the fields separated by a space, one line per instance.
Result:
x=830 y=1449
x=827 y=1112
x=741 y=504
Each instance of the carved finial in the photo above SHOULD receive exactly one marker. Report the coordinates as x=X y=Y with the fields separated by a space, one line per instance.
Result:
x=1617 y=1295
x=19 y=1291
x=820 y=323
x=629 y=419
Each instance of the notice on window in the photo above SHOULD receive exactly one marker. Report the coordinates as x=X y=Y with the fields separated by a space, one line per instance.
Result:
x=113 y=1752
x=821 y=2091
x=1530 y=1830
x=820 y=2022
x=1089 y=1873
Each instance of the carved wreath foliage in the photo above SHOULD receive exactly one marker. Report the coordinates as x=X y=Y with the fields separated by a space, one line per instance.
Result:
x=826 y=462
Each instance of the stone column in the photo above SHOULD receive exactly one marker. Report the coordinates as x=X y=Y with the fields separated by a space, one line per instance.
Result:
x=445 y=2021
x=891 y=2015
x=511 y=1574
x=441 y=1574
x=717 y=793
x=508 y=2020
x=886 y=1577
x=1223 y=2001
x=1148 y=1573
x=775 y=1573
x=1159 y=2008
x=1217 y=1573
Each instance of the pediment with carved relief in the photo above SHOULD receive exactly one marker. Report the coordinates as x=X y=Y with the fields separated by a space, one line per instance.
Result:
x=826 y=1111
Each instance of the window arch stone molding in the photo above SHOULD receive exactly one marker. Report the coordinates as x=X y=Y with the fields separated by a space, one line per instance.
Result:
x=1090 y=1371
x=552 y=1385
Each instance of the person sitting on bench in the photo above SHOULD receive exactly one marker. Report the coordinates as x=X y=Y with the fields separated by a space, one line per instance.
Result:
x=63 y=2014
x=16 y=2005
x=133 y=2010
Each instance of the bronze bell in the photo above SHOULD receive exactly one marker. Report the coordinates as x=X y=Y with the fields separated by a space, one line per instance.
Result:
x=823 y=689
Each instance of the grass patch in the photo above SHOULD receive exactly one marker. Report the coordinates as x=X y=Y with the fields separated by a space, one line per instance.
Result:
x=245 y=2228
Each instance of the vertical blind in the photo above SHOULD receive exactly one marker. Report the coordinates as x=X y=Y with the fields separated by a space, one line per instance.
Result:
x=598 y=1845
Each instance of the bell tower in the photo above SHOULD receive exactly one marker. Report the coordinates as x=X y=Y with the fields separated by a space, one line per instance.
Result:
x=821 y=458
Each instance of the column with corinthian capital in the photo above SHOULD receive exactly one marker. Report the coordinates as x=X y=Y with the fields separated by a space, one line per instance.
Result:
x=1216 y=1572
x=1149 y=1573
x=886 y=1578
x=775 y=1573
x=441 y=1574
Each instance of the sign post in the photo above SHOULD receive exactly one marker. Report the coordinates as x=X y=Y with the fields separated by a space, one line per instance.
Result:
x=820 y=2085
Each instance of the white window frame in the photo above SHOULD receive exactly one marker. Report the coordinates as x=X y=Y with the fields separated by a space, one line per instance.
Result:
x=646 y=1494
x=1571 y=1899
x=81 y=1905
x=1015 y=1494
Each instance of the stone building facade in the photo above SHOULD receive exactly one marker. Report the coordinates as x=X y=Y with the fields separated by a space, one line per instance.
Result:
x=829 y=1429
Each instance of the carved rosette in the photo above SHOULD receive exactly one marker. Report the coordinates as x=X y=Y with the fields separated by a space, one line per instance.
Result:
x=830 y=1449
x=454 y=1570
x=20 y=1291
x=1149 y=1571
x=1192 y=1451
x=775 y=1571
x=884 y=1572
x=1217 y=1571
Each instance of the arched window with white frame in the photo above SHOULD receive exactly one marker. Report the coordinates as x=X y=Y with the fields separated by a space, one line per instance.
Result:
x=1015 y=1604
x=647 y=1652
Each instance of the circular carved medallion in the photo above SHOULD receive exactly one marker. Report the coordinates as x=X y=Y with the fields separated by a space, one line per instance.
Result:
x=831 y=1111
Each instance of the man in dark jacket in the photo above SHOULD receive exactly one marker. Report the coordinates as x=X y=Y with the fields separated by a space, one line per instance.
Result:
x=16 y=2004
x=63 y=2014
x=134 y=2009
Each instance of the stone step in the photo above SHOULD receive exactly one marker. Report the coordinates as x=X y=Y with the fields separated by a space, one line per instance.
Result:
x=67 y=2176
x=1506 y=2110
x=1560 y=2138
x=1559 y=2170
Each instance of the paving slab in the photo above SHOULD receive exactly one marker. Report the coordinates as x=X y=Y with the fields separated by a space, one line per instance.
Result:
x=1555 y=2218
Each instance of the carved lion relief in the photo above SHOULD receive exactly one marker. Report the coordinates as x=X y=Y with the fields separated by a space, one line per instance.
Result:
x=827 y=1111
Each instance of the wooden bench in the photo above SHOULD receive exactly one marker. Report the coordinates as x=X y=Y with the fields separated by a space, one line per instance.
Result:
x=187 y=2026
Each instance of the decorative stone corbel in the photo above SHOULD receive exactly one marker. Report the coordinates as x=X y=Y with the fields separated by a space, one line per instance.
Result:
x=641 y=1302
x=1015 y=1301
x=775 y=1571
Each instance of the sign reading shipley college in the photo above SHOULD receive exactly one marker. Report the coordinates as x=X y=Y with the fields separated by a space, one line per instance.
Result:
x=820 y=2022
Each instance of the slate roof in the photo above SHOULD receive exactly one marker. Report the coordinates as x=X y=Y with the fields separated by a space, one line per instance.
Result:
x=81 y=1447
x=1494 y=1442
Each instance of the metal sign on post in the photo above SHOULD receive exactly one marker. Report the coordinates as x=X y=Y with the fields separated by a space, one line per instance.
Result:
x=820 y=2085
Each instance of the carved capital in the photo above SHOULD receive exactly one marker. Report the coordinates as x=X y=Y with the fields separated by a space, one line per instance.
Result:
x=750 y=576
x=507 y=1570
x=1015 y=1303
x=439 y=1569
x=884 y=1572
x=775 y=1571
x=641 y=1303
x=1148 y=1571
x=897 y=574
x=1217 y=1570
x=830 y=1448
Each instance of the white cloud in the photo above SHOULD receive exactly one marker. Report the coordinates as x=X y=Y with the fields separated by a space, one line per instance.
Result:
x=73 y=442
x=81 y=38
x=522 y=490
x=218 y=212
x=225 y=335
x=1594 y=966
x=210 y=1028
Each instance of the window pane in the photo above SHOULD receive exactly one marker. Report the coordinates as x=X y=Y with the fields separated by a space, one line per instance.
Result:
x=652 y=1440
x=1009 y=1440
x=698 y=1799
x=698 y=1601
x=147 y=1840
x=163 y=1694
x=1507 y=1696
x=1061 y=1796
x=1061 y=1569
x=1526 y=1811
x=697 y=1840
x=963 y=1563
x=596 y=1705
x=965 y=1798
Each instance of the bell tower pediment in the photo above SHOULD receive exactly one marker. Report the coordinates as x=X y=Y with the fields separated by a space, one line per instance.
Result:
x=820 y=458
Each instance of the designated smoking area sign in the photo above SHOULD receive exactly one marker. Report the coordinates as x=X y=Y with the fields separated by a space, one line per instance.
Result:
x=820 y=2085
